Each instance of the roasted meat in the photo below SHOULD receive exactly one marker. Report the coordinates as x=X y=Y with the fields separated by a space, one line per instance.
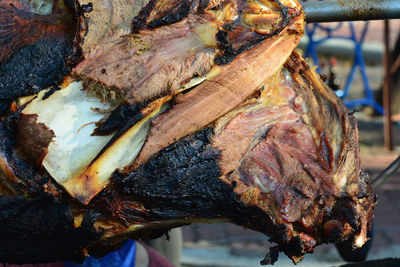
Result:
x=172 y=112
x=35 y=49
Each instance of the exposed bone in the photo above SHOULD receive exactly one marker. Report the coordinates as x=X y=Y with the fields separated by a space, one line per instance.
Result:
x=69 y=113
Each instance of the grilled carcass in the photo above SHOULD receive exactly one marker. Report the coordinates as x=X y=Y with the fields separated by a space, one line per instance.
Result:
x=174 y=112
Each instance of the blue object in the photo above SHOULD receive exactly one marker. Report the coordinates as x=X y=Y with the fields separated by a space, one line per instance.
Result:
x=124 y=257
x=358 y=62
x=311 y=50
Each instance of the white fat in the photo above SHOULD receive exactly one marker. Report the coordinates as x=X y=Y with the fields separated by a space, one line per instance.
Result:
x=360 y=240
x=73 y=157
x=69 y=114
x=121 y=154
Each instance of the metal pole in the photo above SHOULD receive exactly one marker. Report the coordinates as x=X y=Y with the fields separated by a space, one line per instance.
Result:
x=389 y=171
x=387 y=85
x=350 y=10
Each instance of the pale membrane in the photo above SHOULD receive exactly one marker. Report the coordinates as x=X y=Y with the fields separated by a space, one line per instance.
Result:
x=80 y=162
x=68 y=113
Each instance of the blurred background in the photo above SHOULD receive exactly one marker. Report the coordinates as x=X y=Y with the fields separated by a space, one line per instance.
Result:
x=336 y=48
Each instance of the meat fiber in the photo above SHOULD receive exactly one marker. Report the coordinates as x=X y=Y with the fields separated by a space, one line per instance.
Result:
x=188 y=38
x=180 y=112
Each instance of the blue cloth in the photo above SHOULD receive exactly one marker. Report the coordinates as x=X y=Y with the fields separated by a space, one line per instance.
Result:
x=124 y=257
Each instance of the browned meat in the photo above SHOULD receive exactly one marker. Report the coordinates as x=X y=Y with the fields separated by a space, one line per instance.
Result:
x=137 y=73
x=172 y=41
x=219 y=95
x=213 y=118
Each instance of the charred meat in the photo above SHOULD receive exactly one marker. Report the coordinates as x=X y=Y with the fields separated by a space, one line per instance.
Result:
x=35 y=49
x=159 y=114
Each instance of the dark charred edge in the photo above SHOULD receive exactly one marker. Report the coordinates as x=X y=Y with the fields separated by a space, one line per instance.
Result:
x=182 y=181
x=139 y=22
x=58 y=23
x=51 y=92
x=41 y=230
x=230 y=27
x=295 y=64
x=86 y=8
x=9 y=14
x=81 y=30
x=76 y=55
x=131 y=122
x=344 y=211
x=35 y=67
x=295 y=248
x=32 y=180
x=229 y=53
x=4 y=106
x=271 y=257
x=203 y=4
x=52 y=48
x=33 y=139
x=123 y=115
x=173 y=15
x=70 y=5
x=125 y=127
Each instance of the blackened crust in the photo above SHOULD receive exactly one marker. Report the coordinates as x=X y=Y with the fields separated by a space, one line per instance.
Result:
x=120 y=117
x=182 y=181
x=173 y=15
x=139 y=22
x=41 y=230
x=35 y=67
x=26 y=178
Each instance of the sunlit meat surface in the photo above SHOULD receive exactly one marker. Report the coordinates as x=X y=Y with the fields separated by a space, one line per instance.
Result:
x=158 y=114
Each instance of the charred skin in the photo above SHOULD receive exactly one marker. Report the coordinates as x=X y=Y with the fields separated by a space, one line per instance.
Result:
x=36 y=51
x=155 y=66
x=189 y=181
x=241 y=130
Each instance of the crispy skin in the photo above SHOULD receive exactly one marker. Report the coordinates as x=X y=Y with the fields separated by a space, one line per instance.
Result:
x=33 y=48
x=284 y=177
x=261 y=141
